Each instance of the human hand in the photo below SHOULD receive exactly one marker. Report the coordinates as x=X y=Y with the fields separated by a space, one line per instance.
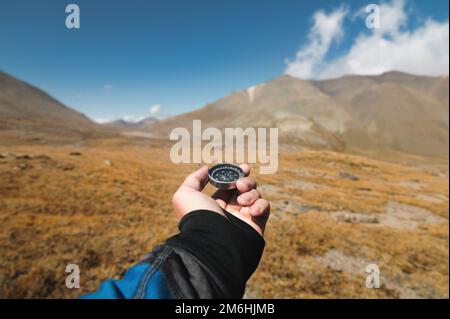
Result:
x=244 y=202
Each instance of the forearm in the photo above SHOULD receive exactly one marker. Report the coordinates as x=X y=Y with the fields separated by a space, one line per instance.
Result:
x=213 y=256
x=227 y=248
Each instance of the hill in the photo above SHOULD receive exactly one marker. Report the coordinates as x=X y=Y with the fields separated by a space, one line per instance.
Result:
x=393 y=112
x=27 y=112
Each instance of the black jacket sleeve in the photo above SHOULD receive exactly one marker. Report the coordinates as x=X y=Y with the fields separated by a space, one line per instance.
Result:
x=213 y=256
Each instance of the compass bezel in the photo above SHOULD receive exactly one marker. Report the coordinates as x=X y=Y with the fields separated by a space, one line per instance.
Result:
x=221 y=184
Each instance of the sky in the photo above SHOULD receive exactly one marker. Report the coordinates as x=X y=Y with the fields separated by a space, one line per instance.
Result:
x=132 y=59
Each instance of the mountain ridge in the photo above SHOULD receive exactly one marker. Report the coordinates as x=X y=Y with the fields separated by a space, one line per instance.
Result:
x=18 y=97
x=122 y=124
x=394 y=111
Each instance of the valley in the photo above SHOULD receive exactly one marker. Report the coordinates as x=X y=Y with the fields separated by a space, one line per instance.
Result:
x=362 y=180
x=105 y=204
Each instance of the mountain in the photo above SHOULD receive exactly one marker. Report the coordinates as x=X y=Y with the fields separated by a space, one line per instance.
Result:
x=122 y=124
x=396 y=111
x=29 y=109
x=391 y=112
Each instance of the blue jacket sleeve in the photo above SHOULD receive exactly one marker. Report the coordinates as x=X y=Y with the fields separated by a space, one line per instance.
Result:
x=140 y=281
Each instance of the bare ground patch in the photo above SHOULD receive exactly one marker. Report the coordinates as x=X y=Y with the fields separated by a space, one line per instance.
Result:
x=352 y=265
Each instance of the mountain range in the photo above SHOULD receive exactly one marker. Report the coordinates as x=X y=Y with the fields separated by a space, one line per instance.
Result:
x=394 y=111
x=122 y=124
x=390 y=112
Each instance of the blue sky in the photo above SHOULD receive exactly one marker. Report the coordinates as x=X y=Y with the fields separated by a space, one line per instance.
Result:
x=131 y=55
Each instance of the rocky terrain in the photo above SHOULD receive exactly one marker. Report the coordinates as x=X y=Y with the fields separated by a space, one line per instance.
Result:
x=393 y=112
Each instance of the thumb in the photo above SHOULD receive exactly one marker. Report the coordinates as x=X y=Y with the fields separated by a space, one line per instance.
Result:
x=197 y=180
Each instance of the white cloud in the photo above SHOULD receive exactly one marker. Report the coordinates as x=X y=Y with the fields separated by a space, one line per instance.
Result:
x=392 y=17
x=424 y=50
x=102 y=120
x=107 y=87
x=326 y=29
x=155 y=109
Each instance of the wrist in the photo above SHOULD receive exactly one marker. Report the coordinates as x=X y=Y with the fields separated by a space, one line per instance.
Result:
x=226 y=245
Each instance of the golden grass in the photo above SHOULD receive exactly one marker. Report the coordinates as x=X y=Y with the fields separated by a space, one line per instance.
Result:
x=78 y=209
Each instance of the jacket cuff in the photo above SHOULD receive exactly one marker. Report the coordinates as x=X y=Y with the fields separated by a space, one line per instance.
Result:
x=230 y=248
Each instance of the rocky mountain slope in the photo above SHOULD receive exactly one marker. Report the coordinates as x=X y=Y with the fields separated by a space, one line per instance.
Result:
x=23 y=104
x=391 y=112
x=28 y=114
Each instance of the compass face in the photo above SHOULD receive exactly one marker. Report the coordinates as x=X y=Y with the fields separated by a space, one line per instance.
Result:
x=225 y=175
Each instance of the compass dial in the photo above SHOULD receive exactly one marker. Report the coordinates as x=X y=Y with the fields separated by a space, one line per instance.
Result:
x=225 y=175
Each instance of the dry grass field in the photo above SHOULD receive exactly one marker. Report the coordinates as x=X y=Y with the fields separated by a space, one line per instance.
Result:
x=104 y=204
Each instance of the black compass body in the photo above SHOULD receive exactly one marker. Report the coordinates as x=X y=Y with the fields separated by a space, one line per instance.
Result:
x=224 y=176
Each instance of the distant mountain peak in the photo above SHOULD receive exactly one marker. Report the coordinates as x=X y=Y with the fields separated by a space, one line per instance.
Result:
x=143 y=124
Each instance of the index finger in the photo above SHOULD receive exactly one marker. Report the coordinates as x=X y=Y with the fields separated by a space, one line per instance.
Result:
x=246 y=169
x=224 y=195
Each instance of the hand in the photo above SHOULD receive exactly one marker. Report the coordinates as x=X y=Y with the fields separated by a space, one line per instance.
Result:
x=244 y=202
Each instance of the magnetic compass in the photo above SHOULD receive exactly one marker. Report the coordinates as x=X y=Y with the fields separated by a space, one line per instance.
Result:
x=224 y=176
